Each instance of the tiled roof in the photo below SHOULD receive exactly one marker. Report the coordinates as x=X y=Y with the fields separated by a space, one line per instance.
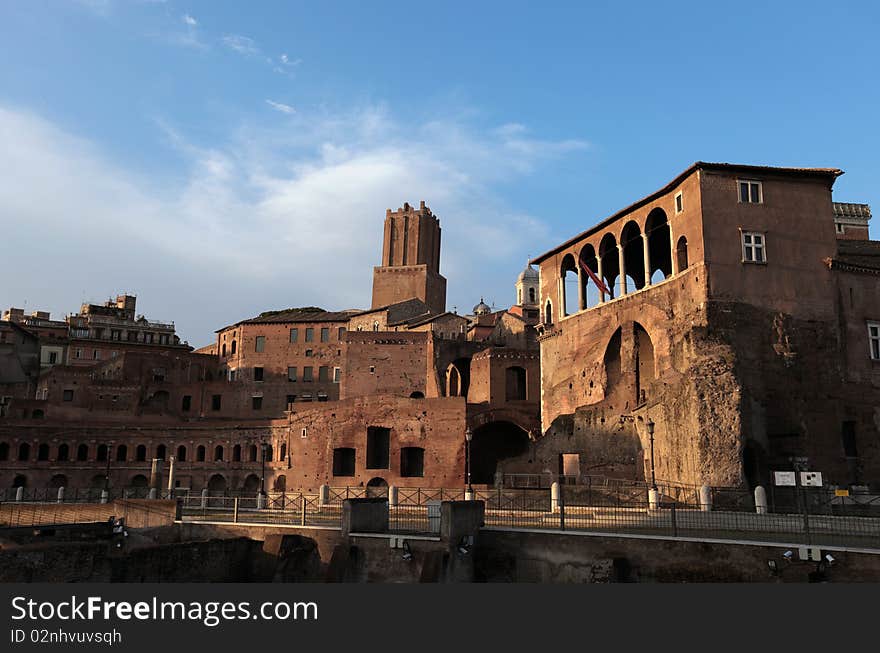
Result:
x=856 y=255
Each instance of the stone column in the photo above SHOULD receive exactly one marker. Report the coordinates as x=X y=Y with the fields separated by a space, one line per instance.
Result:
x=155 y=471
x=599 y=274
x=554 y=496
x=672 y=251
x=760 y=500
x=392 y=495
x=622 y=266
x=582 y=295
x=647 y=260
x=61 y=495
x=705 y=498
x=170 y=476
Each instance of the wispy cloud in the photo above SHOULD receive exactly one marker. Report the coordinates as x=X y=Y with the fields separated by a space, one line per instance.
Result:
x=241 y=44
x=189 y=20
x=269 y=205
x=280 y=106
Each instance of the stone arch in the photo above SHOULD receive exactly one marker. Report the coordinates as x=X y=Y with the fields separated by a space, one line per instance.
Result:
x=140 y=453
x=121 y=453
x=218 y=453
x=251 y=483
x=645 y=366
x=610 y=264
x=417 y=395
x=217 y=484
x=200 y=453
x=57 y=481
x=377 y=487
x=82 y=452
x=493 y=443
x=236 y=453
x=458 y=378
x=659 y=245
x=633 y=256
x=20 y=480
x=4 y=451
x=681 y=254
x=612 y=360
x=161 y=452
x=139 y=481
x=232 y=350
x=103 y=453
x=63 y=452
x=590 y=295
x=181 y=454
x=280 y=484
x=43 y=452
x=252 y=453
x=569 y=300
x=24 y=452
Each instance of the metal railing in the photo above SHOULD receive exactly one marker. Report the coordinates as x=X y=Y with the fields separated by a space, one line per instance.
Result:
x=286 y=508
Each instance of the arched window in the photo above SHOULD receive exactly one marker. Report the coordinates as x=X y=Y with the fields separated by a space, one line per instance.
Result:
x=633 y=256
x=181 y=454
x=253 y=453
x=218 y=453
x=82 y=453
x=43 y=452
x=121 y=453
x=375 y=326
x=268 y=453
x=4 y=451
x=24 y=451
x=236 y=453
x=531 y=295
x=223 y=350
x=283 y=451
x=161 y=452
x=140 y=454
x=610 y=264
x=569 y=302
x=681 y=254
x=63 y=453
x=659 y=246
x=102 y=452
x=233 y=347
x=548 y=313
x=200 y=454
x=589 y=291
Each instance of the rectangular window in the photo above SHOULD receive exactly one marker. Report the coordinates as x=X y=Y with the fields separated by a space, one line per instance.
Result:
x=874 y=340
x=310 y=334
x=679 y=203
x=78 y=353
x=341 y=333
x=187 y=403
x=336 y=374
x=215 y=402
x=257 y=403
x=307 y=374
x=163 y=339
x=96 y=355
x=148 y=338
x=325 y=334
x=750 y=192
x=115 y=334
x=68 y=395
x=309 y=353
x=343 y=462
x=260 y=344
x=323 y=373
x=848 y=439
x=378 y=447
x=412 y=461
x=291 y=374
x=53 y=357
x=258 y=374
x=753 y=250
x=294 y=335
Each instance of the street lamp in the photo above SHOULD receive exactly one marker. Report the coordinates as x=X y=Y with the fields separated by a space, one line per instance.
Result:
x=468 y=436
x=107 y=471
x=650 y=426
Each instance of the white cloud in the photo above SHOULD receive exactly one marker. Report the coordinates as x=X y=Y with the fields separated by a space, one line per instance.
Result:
x=274 y=217
x=290 y=62
x=241 y=44
x=189 y=20
x=280 y=106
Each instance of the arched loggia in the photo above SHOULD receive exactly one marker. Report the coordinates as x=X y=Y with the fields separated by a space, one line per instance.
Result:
x=659 y=246
x=633 y=256
x=610 y=264
x=590 y=295
x=568 y=280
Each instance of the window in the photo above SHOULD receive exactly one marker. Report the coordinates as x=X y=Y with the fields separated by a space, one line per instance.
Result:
x=291 y=374
x=307 y=374
x=200 y=454
x=412 y=461
x=187 y=402
x=375 y=326
x=310 y=334
x=257 y=403
x=378 y=447
x=750 y=192
x=515 y=384
x=68 y=395
x=848 y=439
x=679 y=203
x=309 y=353
x=753 y=247
x=336 y=374
x=372 y=369
x=304 y=433
x=258 y=374
x=115 y=334
x=140 y=453
x=341 y=333
x=294 y=335
x=148 y=338
x=78 y=353
x=121 y=453
x=323 y=374
x=838 y=227
x=53 y=357
x=874 y=340
x=163 y=339
x=114 y=354
x=260 y=344
x=291 y=399
x=325 y=334
x=215 y=402
x=343 y=462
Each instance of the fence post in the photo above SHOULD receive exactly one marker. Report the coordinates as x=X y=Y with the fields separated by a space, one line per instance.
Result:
x=760 y=500
x=561 y=500
x=706 y=498
x=392 y=495
x=105 y=495
x=204 y=498
x=554 y=496
x=153 y=493
x=235 y=510
x=674 y=522
x=19 y=494
x=302 y=521
x=261 y=501
x=61 y=494
x=323 y=495
x=653 y=499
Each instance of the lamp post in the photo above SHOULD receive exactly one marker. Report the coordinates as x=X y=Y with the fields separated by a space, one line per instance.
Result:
x=263 y=448
x=107 y=471
x=468 y=436
x=650 y=426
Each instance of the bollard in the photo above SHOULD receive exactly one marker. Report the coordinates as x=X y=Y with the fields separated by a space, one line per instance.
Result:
x=392 y=495
x=61 y=495
x=554 y=496
x=705 y=498
x=760 y=500
x=235 y=510
x=105 y=496
x=303 y=519
x=19 y=494
x=261 y=500
x=204 y=498
x=499 y=479
x=153 y=493
x=323 y=495
x=653 y=499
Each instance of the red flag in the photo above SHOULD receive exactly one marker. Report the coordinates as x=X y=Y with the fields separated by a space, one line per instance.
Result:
x=601 y=286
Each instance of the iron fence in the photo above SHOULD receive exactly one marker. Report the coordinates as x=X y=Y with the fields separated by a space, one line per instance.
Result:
x=287 y=508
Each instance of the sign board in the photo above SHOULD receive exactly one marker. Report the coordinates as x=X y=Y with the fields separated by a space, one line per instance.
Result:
x=811 y=479
x=784 y=478
x=841 y=493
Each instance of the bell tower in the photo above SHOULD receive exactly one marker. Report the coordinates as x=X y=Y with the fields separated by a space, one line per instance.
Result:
x=410 y=259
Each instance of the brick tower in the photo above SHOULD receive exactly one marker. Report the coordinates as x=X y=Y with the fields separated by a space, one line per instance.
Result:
x=410 y=259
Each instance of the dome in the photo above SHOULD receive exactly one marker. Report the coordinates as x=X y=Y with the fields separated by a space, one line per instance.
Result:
x=482 y=308
x=529 y=274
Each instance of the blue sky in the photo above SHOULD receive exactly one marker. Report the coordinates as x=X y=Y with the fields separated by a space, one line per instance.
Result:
x=219 y=158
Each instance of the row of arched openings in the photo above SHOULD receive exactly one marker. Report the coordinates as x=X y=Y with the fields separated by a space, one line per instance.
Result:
x=65 y=453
